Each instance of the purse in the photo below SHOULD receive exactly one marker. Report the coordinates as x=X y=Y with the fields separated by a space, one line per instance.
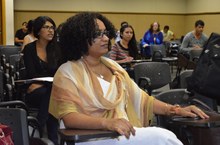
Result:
x=5 y=135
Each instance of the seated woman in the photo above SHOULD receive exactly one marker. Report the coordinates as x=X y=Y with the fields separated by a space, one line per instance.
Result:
x=126 y=49
x=41 y=59
x=30 y=36
x=94 y=92
x=153 y=36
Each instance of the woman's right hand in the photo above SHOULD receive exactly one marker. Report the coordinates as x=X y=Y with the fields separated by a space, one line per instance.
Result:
x=122 y=126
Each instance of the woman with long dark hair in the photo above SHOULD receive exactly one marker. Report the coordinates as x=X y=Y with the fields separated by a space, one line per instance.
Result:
x=126 y=49
x=41 y=59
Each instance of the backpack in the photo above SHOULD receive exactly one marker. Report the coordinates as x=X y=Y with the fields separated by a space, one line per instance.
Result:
x=205 y=78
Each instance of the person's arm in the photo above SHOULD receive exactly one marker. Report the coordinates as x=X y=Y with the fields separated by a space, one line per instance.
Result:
x=185 y=44
x=168 y=109
x=82 y=121
x=17 y=40
x=30 y=66
x=174 y=36
x=17 y=34
x=159 y=39
x=25 y=42
x=144 y=41
x=127 y=59
x=29 y=61
x=114 y=55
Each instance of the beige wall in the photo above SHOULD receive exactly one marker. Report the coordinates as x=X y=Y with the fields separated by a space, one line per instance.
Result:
x=201 y=6
x=143 y=6
x=139 y=13
x=212 y=22
x=206 y=10
x=140 y=22
x=180 y=15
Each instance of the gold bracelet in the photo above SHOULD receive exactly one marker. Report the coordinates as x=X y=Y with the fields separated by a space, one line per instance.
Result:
x=173 y=110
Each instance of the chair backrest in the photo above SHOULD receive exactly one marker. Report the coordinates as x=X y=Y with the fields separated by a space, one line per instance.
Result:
x=194 y=54
x=15 y=61
x=161 y=48
x=158 y=73
x=184 y=63
x=183 y=76
x=8 y=50
x=16 y=118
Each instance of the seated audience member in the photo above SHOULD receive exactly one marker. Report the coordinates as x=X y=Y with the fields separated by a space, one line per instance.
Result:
x=167 y=34
x=59 y=28
x=195 y=39
x=41 y=59
x=94 y=92
x=30 y=36
x=118 y=37
x=151 y=37
x=125 y=50
x=20 y=34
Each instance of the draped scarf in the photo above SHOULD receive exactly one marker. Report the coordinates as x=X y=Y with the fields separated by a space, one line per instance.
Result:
x=77 y=89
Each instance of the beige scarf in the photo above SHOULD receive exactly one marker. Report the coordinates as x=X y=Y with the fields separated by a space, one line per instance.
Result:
x=77 y=89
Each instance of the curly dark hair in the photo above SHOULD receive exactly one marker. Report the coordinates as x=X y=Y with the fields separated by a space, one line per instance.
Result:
x=132 y=45
x=78 y=32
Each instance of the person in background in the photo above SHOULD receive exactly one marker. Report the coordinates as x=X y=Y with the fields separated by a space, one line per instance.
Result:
x=125 y=50
x=30 y=36
x=20 y=34
x=59 y=28
x=118 y=37
x=41 y=59
x=167 y=34
x=94 y=92
x=152 y=37
x=195 y=39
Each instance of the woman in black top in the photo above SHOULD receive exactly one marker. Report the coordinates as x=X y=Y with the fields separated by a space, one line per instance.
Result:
x=41 y=59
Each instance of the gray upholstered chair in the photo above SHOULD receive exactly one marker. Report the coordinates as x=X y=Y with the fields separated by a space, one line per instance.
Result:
x=152 y=75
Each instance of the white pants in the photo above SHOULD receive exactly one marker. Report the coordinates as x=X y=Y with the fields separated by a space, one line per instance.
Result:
x=144 y=136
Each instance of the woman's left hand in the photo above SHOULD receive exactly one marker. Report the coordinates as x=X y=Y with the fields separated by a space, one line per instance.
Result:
x=192 y=111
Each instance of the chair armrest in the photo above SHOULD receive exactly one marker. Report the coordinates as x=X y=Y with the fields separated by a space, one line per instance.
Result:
x=14 y=104
x=82 y=135
x=33 y=122
x=145 y=83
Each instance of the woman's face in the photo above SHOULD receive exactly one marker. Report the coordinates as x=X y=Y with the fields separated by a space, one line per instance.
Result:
x=127 y=34
x=100 y=43
x=155 y=26
x=47 y=31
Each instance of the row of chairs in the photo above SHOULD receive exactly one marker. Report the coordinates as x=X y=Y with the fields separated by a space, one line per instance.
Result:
x=11 y=108
x=153 y=80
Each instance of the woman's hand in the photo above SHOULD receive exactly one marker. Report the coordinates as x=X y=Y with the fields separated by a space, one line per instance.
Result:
x=191 y=111
x=122 y=126
x=128 y=59
x=145 y=45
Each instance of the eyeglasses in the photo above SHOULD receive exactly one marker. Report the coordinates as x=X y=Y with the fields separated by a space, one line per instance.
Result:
x=101 y=34
x=49 y=27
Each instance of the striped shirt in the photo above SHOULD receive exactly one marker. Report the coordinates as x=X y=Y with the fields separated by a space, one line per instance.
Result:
x=118 y=52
